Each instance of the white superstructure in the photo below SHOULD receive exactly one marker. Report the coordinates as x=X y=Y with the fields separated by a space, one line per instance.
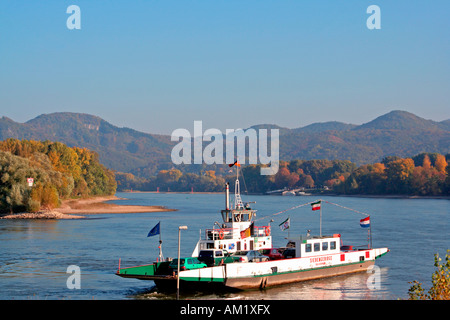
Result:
x=237 y=231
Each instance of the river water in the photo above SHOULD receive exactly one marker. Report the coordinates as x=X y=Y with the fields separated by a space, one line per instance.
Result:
x=35 y=254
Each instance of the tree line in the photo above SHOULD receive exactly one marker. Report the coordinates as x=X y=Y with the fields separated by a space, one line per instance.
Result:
x=59 y=172
x=425 y=174
x=62 y=172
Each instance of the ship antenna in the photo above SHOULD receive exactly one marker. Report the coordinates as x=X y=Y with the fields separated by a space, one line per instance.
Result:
x=237 y=193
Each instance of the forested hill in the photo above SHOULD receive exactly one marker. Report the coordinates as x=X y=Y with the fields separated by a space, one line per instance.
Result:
x=397 y=133
x=121 y=149
x=58 y=172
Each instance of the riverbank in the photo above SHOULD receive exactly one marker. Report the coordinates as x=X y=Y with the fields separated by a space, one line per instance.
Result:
x=100 y=205
x=77 y=208
x=43 y=214
x=375 y=196
x=387 y=196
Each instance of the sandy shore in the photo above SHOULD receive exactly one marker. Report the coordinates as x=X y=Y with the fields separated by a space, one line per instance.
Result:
x=74 y=209
x=98 y=205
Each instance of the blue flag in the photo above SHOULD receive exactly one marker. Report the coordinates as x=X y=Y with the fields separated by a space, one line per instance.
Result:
x=154 y=231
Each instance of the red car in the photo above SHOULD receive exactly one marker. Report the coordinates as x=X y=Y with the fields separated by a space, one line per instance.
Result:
x=272 y=253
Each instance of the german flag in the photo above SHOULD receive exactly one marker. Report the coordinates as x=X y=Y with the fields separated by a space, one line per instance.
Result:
x=316 y=205
x=247 y=232
x=235 y=163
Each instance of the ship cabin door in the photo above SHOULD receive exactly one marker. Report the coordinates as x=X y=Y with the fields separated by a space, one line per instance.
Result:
x=250 y=244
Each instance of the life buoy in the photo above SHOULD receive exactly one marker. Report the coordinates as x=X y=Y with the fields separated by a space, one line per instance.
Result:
x=221 y=234
x=267 y=231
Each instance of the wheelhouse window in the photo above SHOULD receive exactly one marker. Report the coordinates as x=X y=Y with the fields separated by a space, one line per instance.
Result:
x=308 y=247
x=324 y=246
x=332 y=245
x=317 y=246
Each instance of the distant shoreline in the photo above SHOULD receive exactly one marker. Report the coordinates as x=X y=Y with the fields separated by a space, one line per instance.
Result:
x=77 y=208
x=175 y=192
x=387 y=196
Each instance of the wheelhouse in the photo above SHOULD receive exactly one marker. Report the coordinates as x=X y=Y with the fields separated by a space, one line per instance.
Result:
x=307 y=246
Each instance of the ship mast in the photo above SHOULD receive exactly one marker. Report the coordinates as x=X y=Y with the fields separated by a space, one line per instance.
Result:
x=237 y=194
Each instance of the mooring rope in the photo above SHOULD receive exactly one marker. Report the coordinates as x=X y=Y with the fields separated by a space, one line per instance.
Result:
x=304 y=204
x=283 y=211
x=338 y=205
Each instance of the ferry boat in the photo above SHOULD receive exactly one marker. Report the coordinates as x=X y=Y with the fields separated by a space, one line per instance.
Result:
x=310 y=257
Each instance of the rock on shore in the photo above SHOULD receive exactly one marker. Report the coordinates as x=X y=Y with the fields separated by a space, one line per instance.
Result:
x=50 y=214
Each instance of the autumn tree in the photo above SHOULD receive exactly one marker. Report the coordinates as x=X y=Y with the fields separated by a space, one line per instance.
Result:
x=284 y=178
x=441 y=164
x=128 y=181
x=428 y=179
x=59 y=172
x=398 y=173
x=211 y=174
x=14 y=189
x=305 y=181
x=426 y=162
x=169 y=176
x=64 y=159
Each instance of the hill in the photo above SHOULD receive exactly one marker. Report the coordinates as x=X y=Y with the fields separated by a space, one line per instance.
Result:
x=122 y=149
x=396 y=133
x=325 y=126
x=401 y=120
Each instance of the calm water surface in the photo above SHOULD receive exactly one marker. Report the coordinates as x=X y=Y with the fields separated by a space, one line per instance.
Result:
x=35 y=254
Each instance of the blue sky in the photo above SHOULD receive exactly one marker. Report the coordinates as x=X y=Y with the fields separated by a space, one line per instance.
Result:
x=159 y=65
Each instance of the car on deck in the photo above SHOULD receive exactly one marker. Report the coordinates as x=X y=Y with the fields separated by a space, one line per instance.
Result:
x=189 y=263
x=216 y=257
x=273 y=253
x=250 y=256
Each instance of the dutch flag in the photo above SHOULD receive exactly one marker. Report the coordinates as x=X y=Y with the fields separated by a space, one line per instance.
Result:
x=365 y=223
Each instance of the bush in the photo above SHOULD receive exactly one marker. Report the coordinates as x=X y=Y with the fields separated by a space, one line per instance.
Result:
x=33 y=205
x=440 y=288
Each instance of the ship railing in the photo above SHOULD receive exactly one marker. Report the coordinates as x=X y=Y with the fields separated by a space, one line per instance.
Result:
x=219 y=234
x=261 y=231
x=230 y=233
